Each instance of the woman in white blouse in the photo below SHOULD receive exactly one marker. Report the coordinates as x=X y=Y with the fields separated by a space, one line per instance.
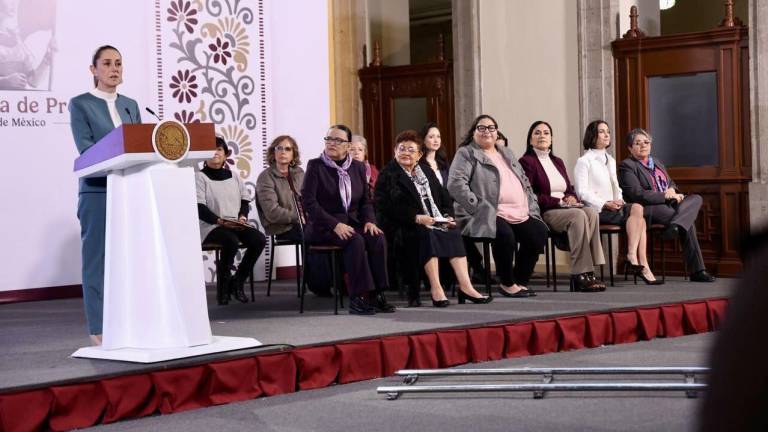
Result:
x=597 y=186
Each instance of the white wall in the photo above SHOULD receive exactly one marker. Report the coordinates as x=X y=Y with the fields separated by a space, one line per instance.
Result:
x=529 y=71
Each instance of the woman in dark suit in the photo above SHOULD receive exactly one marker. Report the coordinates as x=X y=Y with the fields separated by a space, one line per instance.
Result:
x=410 y=198
x=339 y=212
x=93 y=115
x=561 y=208
x=645 y=180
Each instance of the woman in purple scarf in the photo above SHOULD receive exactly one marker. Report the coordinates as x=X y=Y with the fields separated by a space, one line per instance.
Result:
x=339 y=213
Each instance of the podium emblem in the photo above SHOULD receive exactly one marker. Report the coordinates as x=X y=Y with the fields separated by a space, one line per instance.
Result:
x=170 y=139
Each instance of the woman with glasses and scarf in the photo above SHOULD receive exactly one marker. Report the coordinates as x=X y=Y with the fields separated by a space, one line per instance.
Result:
x=339 y=213
x=410 y=198
x=494 y=200
x=645 y=180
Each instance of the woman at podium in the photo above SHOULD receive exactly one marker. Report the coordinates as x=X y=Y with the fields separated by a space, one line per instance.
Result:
x=92 y=116
x=222 y=206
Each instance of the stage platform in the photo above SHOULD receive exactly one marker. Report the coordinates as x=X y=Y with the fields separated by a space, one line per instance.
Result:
x=39 y=337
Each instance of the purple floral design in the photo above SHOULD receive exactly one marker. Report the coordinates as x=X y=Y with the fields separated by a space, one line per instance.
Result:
x=186 y=117
x=183 y=12
x=220 y=50
x=184 y=86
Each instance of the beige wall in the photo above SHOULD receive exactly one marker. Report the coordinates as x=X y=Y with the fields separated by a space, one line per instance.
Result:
x=529 y=71
x=390 y=26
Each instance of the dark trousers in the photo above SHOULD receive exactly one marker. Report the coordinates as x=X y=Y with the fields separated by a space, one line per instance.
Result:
x=684 y=216
x=229 y=240
x=294 y=234
x=474 y=257
x=92 y=212
x=365 y=260
x=531 y=235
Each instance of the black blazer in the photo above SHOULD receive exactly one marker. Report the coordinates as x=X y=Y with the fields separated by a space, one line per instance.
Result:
x=322 y=200
x=398 y=202
x=636 y=182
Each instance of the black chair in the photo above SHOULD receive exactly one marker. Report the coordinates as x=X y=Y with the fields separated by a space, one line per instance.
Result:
x=486 y=261
x=609 y=230
x=275 y=242
x=216 y=248
x=337 y=258
x=555 y=240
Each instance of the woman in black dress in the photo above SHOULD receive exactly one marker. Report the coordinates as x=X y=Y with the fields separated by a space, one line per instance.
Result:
x=409 y=198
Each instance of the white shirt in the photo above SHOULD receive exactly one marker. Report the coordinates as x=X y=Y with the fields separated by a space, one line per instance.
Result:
x=557 y=185
x=110 y=99
x=595 y=179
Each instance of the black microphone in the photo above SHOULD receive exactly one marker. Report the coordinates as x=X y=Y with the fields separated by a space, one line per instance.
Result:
x=153 y=113
x=129 y=114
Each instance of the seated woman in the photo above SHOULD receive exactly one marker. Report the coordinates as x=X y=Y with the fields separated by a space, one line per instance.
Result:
x=222 y=206
x=410 y=198
x=644 y=180
x=561 y=209
x=339 y=213
x=277 y=189
x=358 y=148
x=494 y=200
x=597 y=187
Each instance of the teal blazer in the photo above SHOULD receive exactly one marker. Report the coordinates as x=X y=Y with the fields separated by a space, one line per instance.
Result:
x=90 y=122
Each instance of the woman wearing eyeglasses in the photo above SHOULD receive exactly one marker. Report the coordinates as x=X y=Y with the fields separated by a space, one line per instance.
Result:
x=339 y=212
x=494 y=200
x=277 y=190
x=645 y=180
x=410 y=199
x=561 y=208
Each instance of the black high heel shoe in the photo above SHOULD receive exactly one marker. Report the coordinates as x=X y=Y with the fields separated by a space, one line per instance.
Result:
x=476 y=300
x=639 y=274
x=441 y=303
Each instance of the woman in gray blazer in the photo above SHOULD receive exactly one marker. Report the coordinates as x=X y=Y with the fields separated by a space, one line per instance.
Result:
x=277 y=190
x=93 y=115
x=494 y=200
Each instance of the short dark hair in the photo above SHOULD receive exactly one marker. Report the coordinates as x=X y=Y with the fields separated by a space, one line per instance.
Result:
x=343 y=128
x=271 y=150
x=441 y=156
x=470 y=136
x=634 y=133
x=97 y=56
x=528 y=146
x=409 y=135
x=221 y=143
x=590 y=134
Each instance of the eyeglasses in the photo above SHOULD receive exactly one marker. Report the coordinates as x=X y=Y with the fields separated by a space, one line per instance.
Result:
x=409 y=150
x=334 y=140
x=642 y=143
x=283 y=149
x=484 y=128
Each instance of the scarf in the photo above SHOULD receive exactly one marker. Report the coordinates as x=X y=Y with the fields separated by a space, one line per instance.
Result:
x=658 y=177
x=367 y=172
x=345 y=182
x=421 y=182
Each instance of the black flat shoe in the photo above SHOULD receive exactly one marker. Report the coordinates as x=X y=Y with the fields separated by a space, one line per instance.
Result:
x=702 y=276
x=530 y=292
x=476 y=300
x=381 y=305
x=441 y=303
x=519 y=294
x=237 y=289
x=582 y=283
x=360 y=306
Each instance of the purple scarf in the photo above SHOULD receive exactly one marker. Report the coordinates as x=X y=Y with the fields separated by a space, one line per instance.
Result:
x=345 y=182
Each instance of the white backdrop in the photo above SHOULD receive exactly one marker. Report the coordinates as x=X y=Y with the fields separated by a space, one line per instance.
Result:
x=275 y=81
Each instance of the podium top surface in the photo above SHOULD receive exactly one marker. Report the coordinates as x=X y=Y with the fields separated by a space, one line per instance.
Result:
x=132 y=143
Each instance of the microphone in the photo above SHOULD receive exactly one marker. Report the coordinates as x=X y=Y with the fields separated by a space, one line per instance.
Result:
x=153 y=113
x=130 y=116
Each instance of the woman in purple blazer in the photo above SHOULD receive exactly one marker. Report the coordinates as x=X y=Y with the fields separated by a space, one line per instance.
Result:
x=561 y=208
x=339 y=213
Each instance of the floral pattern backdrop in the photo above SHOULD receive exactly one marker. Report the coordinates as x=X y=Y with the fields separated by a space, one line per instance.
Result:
x=211 y=69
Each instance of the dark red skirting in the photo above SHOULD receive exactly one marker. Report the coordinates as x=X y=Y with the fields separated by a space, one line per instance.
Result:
x=168 y=391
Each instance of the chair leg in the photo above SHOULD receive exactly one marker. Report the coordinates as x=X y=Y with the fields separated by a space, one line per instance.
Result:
x=303 y=284
x=553 y=249
x=487 y=262
x=546 y=260
x=610 y=259
x=663 y=264
x=253 y=297
x=299 y=265
x=271 y=264
x=335 y=284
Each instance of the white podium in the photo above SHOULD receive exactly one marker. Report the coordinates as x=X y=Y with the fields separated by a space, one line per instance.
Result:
x=155 y=306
